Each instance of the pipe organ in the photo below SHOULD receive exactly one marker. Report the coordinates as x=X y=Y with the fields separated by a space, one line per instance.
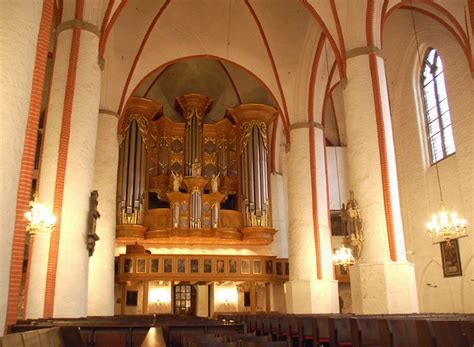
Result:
x=193 y=182
x=135 y=137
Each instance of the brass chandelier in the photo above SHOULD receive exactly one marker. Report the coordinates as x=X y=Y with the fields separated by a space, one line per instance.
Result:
x=445 y=224
x=39 y=217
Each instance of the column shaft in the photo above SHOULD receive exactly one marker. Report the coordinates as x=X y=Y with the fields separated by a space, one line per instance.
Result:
x=101 y=264
x=311 y=287
x=59 y=281
x=49 y=163
x=373 y=178
x=72 y=267
x=19 y=28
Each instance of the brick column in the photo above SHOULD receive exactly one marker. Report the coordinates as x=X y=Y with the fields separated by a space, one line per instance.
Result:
x=373 y=178
x=25 y=29
x=101 y=264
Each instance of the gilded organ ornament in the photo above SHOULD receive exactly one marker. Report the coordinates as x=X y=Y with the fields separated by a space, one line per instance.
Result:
x=353 y=226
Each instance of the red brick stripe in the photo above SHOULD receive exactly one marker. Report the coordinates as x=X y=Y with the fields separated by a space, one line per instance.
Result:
x=471 y=14
x=312 y=154
x=38 y=180
x=381 y=134
x=139 y=53
x=28 y=162
x=28 y=271
x=108 y=28
x=285 y=119
x=383 y=156
x=61 y=169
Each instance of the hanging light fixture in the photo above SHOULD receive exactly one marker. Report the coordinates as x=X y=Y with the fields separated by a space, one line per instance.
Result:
x=445 y=224
x=343 y=256
x=39 y=217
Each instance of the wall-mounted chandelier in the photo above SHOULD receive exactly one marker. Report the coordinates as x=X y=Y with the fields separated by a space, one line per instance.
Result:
x=39 y=217
x=352 y=225
x=343 y=257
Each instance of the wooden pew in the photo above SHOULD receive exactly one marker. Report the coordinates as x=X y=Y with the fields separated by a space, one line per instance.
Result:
x=54 y=337
x=340 y=331
x=448 y=333
x=367 y=332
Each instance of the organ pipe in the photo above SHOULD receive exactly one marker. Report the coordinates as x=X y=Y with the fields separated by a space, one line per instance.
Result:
x=254 y=121
x=131 y=185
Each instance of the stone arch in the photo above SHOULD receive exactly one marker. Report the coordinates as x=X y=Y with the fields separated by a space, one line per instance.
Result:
x=432 y=287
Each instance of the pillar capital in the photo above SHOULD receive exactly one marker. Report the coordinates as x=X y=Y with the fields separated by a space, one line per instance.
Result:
x=78 y=24
x=364 y=50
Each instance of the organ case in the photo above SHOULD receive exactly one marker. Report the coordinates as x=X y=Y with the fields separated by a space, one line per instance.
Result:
x=192 y=182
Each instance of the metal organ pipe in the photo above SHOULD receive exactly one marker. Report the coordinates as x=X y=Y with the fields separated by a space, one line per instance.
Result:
x=264 y=173
x=257 y=173
x=254 y=164
x=137 y=175
x=131 y=167
x=143 y=166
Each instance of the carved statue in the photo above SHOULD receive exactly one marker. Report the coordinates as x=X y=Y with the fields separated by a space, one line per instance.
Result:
x=353 y=226
x=196 y=169
x=94 y=214
x=177 y=179
x=215 y=183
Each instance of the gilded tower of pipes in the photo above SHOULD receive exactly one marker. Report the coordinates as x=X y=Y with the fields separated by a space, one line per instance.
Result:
x=253 y=120
x=136 y=140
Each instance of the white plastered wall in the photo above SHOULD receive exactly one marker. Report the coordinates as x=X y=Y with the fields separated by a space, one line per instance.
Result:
x=419 y=194
x=19 y=26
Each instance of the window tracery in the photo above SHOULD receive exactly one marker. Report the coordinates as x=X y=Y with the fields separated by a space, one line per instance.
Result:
x=436 y=108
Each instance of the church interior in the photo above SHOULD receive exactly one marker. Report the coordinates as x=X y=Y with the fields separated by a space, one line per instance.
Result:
x=278 y=170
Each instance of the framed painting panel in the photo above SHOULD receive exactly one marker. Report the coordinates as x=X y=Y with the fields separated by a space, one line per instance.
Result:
x=154 y=265
x=451 y=258
x=168 y=265
x=232 y=266
x=257 y=267
x=268 y=267
x=220 y=266
x=194 y=265
x=181 y=265
x=279 y=268
x=128 y=265
x=141 y=265
x=207 y=266
x=245 y=267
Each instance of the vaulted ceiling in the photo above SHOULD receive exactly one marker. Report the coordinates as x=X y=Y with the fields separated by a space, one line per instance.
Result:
x=270 y=44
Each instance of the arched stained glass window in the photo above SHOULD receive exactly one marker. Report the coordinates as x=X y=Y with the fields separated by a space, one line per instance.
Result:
x=438 y=119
